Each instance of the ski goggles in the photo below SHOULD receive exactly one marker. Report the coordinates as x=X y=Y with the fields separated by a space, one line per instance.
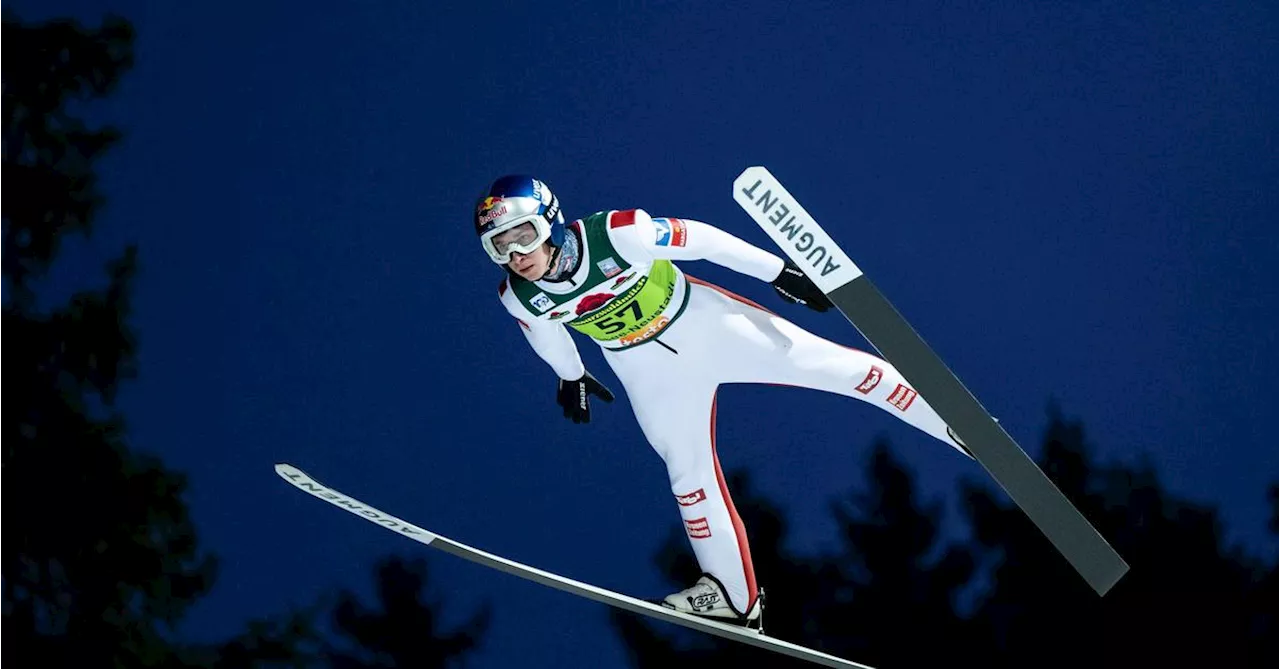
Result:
x=522 y=236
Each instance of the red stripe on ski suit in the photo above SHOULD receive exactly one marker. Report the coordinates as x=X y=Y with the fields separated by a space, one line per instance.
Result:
x=724 y=490
x=743 y=547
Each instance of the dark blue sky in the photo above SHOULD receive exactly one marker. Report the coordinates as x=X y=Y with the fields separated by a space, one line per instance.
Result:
x=1071 y=201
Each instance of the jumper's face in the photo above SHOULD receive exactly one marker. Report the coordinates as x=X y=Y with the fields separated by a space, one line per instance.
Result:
x=531 y=266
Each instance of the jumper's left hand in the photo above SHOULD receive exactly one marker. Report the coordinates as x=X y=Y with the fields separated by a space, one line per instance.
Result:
x=572 y=396
x=795 y=287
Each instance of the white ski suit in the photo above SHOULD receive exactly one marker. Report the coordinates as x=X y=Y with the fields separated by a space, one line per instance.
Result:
x=705 y=336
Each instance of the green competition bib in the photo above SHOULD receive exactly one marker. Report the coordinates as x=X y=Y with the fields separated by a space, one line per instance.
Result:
x=627 y=318
x=618 y=304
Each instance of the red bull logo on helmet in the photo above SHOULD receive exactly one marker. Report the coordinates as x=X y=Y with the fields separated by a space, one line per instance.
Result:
x=488 y=216
x=490 y=208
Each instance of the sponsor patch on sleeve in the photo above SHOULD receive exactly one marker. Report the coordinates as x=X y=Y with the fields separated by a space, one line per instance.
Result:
x=670 y=231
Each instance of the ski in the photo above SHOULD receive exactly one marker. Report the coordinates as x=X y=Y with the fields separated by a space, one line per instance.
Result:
x=774 y=209
x=309 y=485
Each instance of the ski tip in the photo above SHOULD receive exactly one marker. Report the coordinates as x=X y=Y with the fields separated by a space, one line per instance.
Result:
x=753 y=170
x=285 y=469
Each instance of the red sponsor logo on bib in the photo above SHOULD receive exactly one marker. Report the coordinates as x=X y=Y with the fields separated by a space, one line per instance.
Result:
x=592 y=302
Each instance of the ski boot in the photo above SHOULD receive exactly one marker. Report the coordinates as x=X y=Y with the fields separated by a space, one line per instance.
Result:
x=707 y=599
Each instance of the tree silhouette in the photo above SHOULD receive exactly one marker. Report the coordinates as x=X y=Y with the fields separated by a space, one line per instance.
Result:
x=1188 y=599
x=406 y=632
x=289 y=643
x=1262 y=599
x=101 y=552
x=101 y=556
x=894 y=577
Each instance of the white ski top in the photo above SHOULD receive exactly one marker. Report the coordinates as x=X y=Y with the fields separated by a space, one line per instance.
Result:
x=640 y=242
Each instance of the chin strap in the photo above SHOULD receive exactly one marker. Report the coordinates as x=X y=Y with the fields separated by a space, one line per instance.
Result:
x=553 y=258
x=555 y=262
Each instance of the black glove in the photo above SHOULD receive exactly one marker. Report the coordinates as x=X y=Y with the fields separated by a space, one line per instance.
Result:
x=795 y=287
x=573 y=396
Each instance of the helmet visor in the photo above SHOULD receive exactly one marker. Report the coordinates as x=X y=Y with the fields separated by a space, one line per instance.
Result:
x=522 y=237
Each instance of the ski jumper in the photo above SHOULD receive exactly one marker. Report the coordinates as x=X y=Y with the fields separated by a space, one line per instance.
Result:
x=672 y=340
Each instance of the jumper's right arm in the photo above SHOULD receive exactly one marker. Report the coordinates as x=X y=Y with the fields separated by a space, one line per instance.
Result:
x=551 y=341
